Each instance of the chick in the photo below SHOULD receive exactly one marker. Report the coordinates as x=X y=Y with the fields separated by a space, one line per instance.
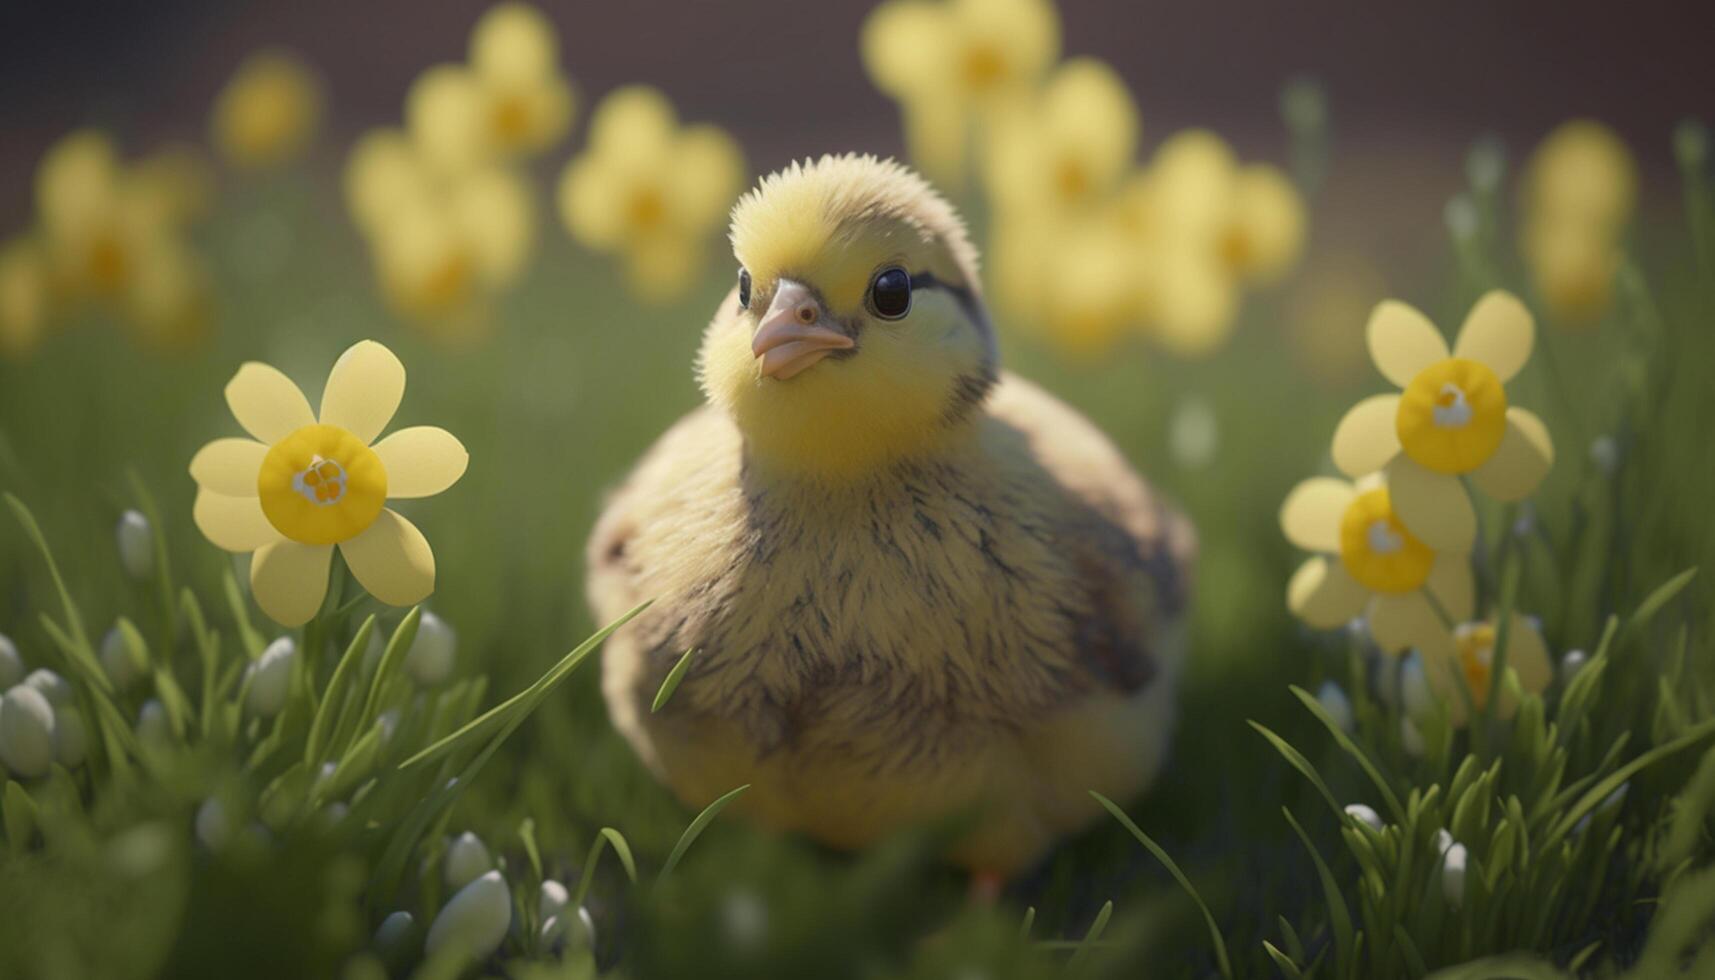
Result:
x=920 y=588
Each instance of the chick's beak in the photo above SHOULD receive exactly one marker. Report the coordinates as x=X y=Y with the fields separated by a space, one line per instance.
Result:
x=795 y=332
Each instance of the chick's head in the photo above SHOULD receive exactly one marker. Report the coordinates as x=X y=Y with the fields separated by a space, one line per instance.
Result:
x=856 y=334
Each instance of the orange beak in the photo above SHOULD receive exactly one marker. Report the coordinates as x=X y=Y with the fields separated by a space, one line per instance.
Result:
x=795 y=333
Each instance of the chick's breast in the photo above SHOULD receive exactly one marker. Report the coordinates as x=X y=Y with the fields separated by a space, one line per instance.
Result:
x=993 y=629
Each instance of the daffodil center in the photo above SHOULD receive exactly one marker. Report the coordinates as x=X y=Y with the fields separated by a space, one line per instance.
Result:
x=647 y=210
x=511 y=120
x=321 y=485
x=1236 y=250
x=984 y=66
x=1073 y=180
x=107 y=263
x=1452 y=416
x=1377 y=549
x=1476 y=646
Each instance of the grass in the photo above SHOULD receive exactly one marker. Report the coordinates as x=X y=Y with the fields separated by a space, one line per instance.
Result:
x=1241 y=862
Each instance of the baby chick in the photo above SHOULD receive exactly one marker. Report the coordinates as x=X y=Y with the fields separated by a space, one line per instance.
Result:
x=918 y=587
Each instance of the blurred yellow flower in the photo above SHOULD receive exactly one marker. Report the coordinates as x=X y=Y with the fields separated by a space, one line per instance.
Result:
x=1580 y=189
x=1326 y=312
x=948 y=63
x=1369 y=563
x=303 y=484
x=24 y=296
x=444 y=245
x=1209 y=225
x=115 y=236
x=650 y=190
x=1072 y=280
x=1467 y=655
x=1067 y=149
x=268 y=113
x=1451 y=419
x=508 y=102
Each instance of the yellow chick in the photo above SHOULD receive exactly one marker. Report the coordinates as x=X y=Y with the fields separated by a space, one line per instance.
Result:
x=918 y=587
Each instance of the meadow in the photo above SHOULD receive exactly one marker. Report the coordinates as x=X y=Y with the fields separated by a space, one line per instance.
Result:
x=1577 y=810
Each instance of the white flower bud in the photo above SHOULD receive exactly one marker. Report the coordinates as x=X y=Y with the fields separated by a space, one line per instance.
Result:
x=1486 y=165
x=1193 y=433
x=152 y=725
x=553 y=933
x=474 y=921
x=744 y=918
x=1411 y=739
x=388 y=722
x=1571 y=664
x=554 y=899
x=136 y=541
x=121 y=663
x=394 y=931
x=1443 y=841
x=429 y=661
x=1334 y=701
x=11 y=665
x=26 y=731
x=1453 y=875
x=1605 y=453
x=212 y=827
x=1414 y=692
x=466 y=860
x=270 y=678
x=332 y=813
x=51 y=686
x=1365 y=814
x=71 y=737
x=1462 y=218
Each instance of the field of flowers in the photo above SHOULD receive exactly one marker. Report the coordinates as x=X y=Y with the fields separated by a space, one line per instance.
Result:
x=1449 y=700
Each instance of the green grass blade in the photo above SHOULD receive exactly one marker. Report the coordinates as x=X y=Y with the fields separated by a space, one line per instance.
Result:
x=671 y=683
x=1215 y=937
x=163 y=568
x=333 y=703
x=695 y=830
x=1593 y=797
x=1511 y=967
x=73 y=619
x=521 y=703
x=1300 y=763
x=1657 y=600
x=392 y=660
x=1339 y=915
x=247 y=634
x=1352 y=749
x=606 y=838
x=1094 y=935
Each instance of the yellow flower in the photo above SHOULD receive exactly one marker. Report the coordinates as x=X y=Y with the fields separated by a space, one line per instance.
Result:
x=383 y=174
x=1467 y=654
x=1209 y=225
x=650 y=190
x=949 y=62
x=1451 y=419
x=1326 y=313
x=1069 y=149
x=1073 y=280
x=24 y=297
x=268 y=113
x=1580 y=189
x=114 y=235
x=510 y=101
x=1370 y=564
x=304 y=484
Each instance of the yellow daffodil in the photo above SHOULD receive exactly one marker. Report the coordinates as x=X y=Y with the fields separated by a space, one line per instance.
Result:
x=268 y=113
x=950 y=62
x=24 y=297
x=114 y=235
x=1069 y=149
x=1208 y=225
x=444 y=244
x=1452 y=418
x=1580 y=189
x=508 y=102
x=1370 y=564
x=304 y=483
x=650 y=190
x=1325 y=315
x=1468 y=653
x=1073 y=280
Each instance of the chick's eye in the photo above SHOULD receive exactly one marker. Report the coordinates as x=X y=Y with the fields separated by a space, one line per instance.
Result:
x=744 y=288
x=890 y=293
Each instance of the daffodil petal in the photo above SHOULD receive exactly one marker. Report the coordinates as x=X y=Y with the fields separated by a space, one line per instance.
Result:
x=1403 y=341
x=1452 y=584
x=267 y=403
x=233 y=523
x=1527 y=655
x=290 y=580
x=363 y=390
x=1522 y=460
x=1431 y=505
x=421 y=461
x=1312 y=512
x=392 y=560
x=1399 y=622
x=229 y=466
x=1499 y=332
x=1324 y=594
x=1368 y=436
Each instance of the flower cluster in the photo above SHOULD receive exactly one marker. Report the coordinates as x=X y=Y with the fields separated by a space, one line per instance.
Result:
x=268 y=113
x=1088 y=245
x=111 y=235
x=1579 y=193
x=1395 y=547
x=449 y=219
